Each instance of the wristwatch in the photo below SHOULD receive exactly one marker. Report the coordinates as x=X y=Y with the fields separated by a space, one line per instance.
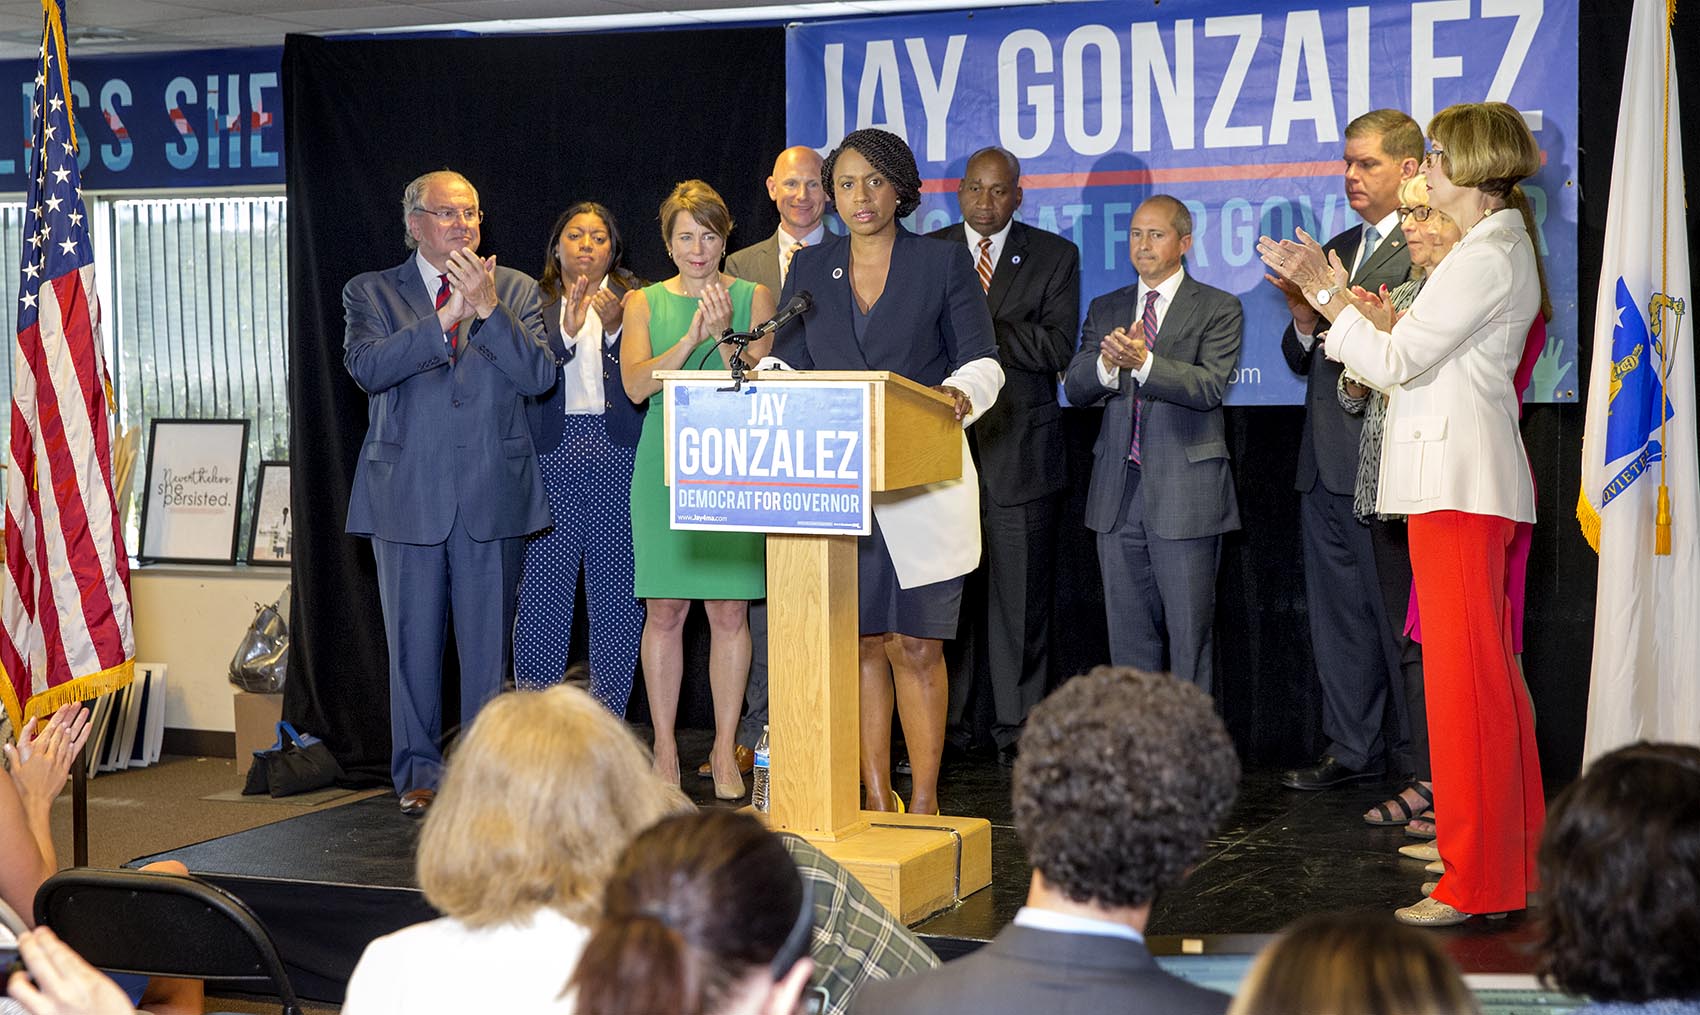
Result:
x=1324 y=296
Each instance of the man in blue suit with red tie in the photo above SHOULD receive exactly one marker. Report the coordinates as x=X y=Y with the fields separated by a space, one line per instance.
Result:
x=447 y=346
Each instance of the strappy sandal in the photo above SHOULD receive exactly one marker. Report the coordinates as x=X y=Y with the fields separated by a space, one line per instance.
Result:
x=1414 y=832
x=1395 y=811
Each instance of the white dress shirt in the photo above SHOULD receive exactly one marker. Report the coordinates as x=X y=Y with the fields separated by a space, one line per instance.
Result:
x=1110 y=377
x=1069 y=923
x=583 y=373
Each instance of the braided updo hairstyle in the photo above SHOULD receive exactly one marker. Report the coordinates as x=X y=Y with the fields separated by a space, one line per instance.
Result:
x=891 y=158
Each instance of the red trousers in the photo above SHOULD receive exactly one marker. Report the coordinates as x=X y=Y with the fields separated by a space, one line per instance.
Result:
x=1489 y=806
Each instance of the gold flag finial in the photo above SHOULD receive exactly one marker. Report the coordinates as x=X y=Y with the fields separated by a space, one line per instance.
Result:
x=56 y=27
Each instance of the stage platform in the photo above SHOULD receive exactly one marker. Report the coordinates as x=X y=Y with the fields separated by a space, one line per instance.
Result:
x=325 y=883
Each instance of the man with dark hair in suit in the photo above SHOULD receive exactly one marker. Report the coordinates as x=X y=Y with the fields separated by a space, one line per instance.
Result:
x=1158 y=354
x=796 y=191
x=1357 y=645
x=447 y=346
x=1032 y=283
x=1123 y=776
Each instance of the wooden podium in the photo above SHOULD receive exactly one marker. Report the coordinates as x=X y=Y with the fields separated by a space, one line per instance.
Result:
x=916 y=865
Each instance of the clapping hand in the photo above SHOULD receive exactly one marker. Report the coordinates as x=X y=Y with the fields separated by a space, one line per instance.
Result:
x=1122 y=350
x=1376 y=307
x=611 y=307
x=41 y=759
x=473 y=279
x=575 y=307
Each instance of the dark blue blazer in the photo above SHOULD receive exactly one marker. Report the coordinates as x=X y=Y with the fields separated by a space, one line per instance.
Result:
x=931 y=319
x=445 y=436
x=622 y=418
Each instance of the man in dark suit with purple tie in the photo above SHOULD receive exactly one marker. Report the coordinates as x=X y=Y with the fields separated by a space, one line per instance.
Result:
x=446 y=346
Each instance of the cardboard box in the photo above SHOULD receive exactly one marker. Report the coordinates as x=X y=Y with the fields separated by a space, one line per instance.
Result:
x=257 y=716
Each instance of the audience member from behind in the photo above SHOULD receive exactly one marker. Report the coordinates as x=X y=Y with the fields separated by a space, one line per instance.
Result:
x=706 y=915
x=1121 y=777
x=540 y=797
x=1620 y=864
x=1353 y=964
x=37 y=766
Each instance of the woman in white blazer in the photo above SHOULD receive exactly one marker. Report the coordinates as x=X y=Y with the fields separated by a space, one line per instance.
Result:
x=1454 y=462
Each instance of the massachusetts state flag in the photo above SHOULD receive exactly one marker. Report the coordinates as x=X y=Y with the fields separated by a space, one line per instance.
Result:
x=1641 y=423
x=65 y=599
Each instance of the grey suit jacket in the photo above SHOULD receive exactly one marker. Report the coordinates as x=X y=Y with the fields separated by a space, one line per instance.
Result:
x=1024 y=970
x=1187 y=486
x=1329 y=447
x=759 y=263
x=1035 y=305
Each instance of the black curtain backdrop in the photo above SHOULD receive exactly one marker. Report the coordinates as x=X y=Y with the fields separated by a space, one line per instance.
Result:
x=620 y=118
x=535 y=123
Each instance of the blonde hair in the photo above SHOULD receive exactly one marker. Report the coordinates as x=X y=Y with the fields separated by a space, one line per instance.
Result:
x=1487 y=146
x=1353 y=964
x=1413 y=191
x=701 y=202
x=537 y=802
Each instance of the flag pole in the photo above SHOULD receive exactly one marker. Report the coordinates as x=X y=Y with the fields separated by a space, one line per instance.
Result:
x=80 y=809
x=1661 y=514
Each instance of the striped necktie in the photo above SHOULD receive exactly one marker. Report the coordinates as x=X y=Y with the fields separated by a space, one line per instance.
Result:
x=785 y=269
x=443 y=297
x=1148 y=326
x=984 y=267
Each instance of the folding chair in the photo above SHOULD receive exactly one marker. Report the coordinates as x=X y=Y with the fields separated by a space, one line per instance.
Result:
x=163 y=925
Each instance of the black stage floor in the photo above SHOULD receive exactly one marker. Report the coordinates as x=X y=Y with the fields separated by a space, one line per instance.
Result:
x=327 y=882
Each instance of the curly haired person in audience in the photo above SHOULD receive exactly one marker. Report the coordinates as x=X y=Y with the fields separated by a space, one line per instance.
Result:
x=37 y=766
x=704 y=916
x=1620 y=864
x=1122 y=776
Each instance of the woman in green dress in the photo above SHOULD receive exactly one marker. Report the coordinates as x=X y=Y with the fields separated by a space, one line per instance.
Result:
x=672 y=325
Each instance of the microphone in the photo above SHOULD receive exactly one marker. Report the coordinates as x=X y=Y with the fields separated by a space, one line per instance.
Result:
x=801 y=303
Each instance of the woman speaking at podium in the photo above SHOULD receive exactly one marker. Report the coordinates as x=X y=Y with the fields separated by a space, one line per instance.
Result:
x=887 y=299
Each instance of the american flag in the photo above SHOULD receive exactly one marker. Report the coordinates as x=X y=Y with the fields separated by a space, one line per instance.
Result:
x=65 y=598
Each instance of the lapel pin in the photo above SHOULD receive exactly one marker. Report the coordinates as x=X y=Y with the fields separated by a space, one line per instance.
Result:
x=838 y=273
x=1015 y=259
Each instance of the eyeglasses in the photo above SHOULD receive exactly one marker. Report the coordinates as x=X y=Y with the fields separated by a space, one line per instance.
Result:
x=1420 y=212
x=1434 y=155
x=450 y=216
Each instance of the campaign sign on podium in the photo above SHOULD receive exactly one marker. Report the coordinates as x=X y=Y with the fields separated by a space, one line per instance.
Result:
x=786 y=456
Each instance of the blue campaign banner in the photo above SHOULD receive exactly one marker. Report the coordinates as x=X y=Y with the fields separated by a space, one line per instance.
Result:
x=1237 y=107
x=786 y=456
x=202 y=118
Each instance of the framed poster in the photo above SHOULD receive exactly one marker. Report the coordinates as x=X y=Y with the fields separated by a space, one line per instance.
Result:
x=193 y=495
x=269 y=539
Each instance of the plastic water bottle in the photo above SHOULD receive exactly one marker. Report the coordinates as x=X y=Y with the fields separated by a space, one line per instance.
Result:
x=759 y=797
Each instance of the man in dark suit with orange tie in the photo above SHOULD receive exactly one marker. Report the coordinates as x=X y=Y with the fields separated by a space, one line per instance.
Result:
x=446 y=346
x=1157 y=355
x=1032 y=284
